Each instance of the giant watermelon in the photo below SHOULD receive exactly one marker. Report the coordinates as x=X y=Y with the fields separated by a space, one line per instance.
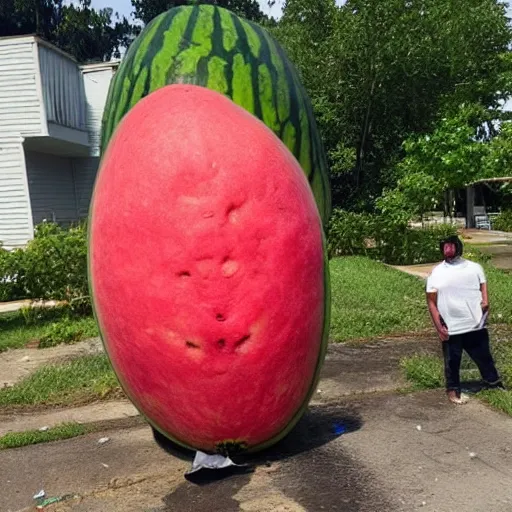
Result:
x=208 y=271
x=212 y=47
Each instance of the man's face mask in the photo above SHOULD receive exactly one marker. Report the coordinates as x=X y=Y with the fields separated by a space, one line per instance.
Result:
x=449 y=251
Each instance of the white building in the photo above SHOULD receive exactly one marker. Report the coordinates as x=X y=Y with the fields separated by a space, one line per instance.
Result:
x=50 y=123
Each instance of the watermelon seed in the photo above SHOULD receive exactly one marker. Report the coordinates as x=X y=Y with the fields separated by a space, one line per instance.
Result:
x=229 y=267
x=241 y=341
x=191 y=344
x=232 y=213
x=184 y=273
x=221 y=343
x=220 y=317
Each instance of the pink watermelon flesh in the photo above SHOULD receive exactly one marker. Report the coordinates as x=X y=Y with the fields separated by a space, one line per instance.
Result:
x=206 y=267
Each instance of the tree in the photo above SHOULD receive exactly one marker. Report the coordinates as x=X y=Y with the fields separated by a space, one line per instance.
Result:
x=86 y=33
x=382 y=71
x=146 y=10
x=459 y=151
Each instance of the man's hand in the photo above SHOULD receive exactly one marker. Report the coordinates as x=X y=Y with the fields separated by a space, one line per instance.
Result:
x=485 y=297
x=442 y=332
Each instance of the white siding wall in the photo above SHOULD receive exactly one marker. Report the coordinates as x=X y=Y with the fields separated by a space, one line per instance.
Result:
x=63 y=89
x=52 y=188
x=85 y=170
x=16 y=226
x=96 y=83
x=20 y=104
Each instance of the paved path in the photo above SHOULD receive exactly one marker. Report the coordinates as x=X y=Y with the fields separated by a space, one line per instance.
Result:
x=461 y=459
x=10 y=307
x=399 y=452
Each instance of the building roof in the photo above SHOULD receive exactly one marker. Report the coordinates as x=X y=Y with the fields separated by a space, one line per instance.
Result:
x=39 y=40
x=492 y=180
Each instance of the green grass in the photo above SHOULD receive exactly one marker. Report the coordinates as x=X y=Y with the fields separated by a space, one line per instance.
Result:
x=60 y=432
x=371 y=299
x=52 y=325
x=423 y=371
x=500 y=294
x=426 y=372
x=81 y=380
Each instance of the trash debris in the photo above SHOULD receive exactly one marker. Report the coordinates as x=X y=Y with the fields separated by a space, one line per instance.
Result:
x=44 y=429
x=104 y=465
x=104 y=440
x=423 y=503
x=318 y=390
x=39 y=495
x=25 y=359
x=204 y=461
x=472 y=455
x=339 y=428
x=57 y=499
x=418 y=428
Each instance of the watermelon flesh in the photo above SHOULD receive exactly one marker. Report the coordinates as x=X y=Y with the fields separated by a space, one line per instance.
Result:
x=207 y=271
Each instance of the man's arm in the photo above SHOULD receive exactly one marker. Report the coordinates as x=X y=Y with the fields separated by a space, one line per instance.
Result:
x=485 y=297
x=442 y=331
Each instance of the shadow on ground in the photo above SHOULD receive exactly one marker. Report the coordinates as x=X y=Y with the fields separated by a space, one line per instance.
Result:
x=319 y=426
x=216 y=491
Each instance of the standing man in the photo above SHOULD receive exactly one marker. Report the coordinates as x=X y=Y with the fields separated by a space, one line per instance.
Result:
x=458 y=304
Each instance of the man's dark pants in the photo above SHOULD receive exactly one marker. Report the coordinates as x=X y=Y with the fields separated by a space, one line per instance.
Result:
x=476 y=344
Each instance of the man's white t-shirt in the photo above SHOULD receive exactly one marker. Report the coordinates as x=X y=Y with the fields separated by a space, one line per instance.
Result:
x=458 y=294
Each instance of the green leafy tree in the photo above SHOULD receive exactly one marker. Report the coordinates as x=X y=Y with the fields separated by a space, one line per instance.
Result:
x=86 y=33
x=380 y=72
x=146 y=10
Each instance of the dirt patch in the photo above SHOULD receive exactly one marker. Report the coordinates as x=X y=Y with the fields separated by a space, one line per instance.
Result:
x=17 y=364
x=370 y=367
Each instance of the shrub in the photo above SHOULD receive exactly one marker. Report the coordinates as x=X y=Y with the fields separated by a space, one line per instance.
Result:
x=348 y=233
x=503 y=222
x=53 y=266
x=388 y=239
x=399 y=245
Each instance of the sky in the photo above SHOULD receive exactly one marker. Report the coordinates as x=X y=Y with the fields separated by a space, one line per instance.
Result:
x=124 y=7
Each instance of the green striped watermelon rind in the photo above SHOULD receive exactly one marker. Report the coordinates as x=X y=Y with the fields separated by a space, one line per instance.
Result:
x=210 y=46
x=317 y=174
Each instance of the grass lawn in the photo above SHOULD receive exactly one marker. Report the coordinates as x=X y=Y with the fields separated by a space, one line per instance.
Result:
x=426 y=372
x=64 y=431
x=370 y=299
x=500 y=294
x=16 y=332
x=81 y=380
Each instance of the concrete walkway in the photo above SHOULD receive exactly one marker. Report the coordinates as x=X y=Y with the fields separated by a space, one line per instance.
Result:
x=11 y=307
x=484 y=236
x=397 y=453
